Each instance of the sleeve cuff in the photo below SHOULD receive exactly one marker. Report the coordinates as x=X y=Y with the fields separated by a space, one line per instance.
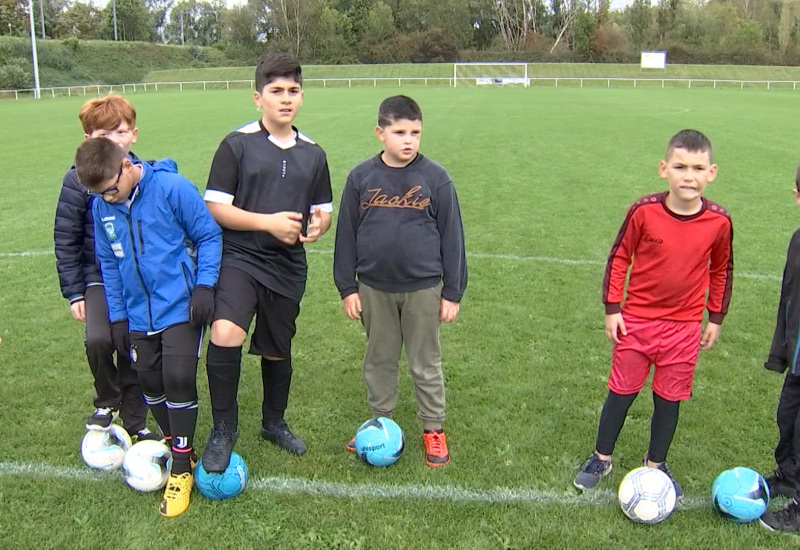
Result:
x=347 y=292
x=613 y=308
x=715 y=318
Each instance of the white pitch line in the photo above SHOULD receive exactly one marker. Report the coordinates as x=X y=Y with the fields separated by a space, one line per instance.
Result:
x=483 y=255
x=316 y=487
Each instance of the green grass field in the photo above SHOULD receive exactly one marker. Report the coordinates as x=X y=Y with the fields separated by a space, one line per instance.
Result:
x=544 y=178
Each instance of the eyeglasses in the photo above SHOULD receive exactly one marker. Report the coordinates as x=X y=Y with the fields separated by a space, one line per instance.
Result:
x=113 y=190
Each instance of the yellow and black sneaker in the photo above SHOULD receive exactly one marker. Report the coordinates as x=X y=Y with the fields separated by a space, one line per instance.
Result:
x=176 y=495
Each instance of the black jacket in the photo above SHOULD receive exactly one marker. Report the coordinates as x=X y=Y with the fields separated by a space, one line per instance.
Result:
x=784 y=353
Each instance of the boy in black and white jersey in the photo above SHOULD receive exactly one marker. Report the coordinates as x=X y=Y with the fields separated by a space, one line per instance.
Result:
x=269 y=188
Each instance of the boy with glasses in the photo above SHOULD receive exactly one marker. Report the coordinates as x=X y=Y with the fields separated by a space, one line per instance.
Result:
x=117 y=390
x=159 y=249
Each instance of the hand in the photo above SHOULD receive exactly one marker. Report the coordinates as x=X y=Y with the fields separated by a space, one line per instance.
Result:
x=709 y=336
x=285 y=226
x=448 y=311
x=201 y=306
x=615 y=326
x=352 y=306
x=78 y=309
x=314 y=229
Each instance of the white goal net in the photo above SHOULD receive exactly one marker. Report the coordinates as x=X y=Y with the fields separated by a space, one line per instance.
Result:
x=490 y=74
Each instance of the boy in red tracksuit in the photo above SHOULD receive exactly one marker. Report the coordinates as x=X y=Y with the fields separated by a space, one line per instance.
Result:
x=678 y=246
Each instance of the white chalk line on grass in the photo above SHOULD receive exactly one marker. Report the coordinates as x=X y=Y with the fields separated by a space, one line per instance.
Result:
x=482 y=255
x=316 y=487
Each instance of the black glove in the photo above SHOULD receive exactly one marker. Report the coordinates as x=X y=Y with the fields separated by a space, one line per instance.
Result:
x=201 y=306
x=120 y=338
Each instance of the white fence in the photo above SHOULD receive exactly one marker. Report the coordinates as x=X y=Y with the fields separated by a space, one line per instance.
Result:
x=573 y=82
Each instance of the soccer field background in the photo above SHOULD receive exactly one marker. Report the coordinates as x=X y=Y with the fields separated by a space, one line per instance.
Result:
x=544 y=177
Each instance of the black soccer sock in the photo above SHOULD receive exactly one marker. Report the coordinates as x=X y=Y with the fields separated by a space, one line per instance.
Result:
x=158 y=407
x=276 y=376
x=152 y=383
x=615 y=410
x=180 y=459
x=662 y=427
x=180 y=383
x=223 y=366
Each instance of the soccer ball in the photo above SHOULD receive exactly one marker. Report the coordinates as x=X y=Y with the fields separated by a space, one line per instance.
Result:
x=647 y=495
x=379 y=441
x=221 y=486
x=146 y=466
x=104 y=450
x=740 y=495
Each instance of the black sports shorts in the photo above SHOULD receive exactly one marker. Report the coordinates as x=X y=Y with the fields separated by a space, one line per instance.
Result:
x=239 y=297
x=148 y=350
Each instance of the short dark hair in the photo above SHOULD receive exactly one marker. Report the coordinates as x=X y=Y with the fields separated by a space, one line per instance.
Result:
x=97 y=160
x=272 y=66
x=398 y=107
x=691 y=140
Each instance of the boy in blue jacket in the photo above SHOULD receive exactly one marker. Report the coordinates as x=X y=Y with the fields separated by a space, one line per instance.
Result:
x=117 y=391
x=159 y=250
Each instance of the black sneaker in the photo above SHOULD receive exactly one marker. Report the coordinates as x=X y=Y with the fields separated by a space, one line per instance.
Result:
x=217 y=453
x=665 y=468
x=278 y=432
x=787 y=519
x=777 y=485
x=101 y=418
x=145 y=435
x=592 y=471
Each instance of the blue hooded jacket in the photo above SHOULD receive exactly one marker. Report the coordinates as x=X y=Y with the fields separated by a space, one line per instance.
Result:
x=154 y=252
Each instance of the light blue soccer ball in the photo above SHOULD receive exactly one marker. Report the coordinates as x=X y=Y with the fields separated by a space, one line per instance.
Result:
x=379 y=441
x=221 y=486
x=740 y=495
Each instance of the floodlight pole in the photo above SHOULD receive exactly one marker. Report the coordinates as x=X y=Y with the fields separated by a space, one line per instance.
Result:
x=36 y=91
x=114 y=14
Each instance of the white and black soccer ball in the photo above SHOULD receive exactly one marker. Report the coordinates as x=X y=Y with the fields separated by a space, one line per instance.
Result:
x=647 y=495
x=146 y=466
x=105 y=449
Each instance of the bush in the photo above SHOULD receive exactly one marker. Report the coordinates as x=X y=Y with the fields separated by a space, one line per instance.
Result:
x=16 y=74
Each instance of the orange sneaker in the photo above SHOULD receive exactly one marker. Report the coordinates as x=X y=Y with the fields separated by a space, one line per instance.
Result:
x=435 y=448
x=351 y=445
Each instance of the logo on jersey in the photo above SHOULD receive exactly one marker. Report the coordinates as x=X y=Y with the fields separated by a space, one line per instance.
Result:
x=412 y=199
x=110 y=231
x=653 y=240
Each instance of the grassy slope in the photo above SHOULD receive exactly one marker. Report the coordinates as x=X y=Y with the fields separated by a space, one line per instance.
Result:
x=445 y=70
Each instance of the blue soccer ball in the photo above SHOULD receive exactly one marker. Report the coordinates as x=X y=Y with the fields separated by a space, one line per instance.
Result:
x=220 y=486
x=379 y=441
x=740 y=494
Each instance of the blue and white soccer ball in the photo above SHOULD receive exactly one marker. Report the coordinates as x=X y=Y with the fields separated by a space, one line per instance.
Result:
x=105 y=449
x=740 y=494
x=146 y=466
x=647 y=495
x=221 y=486
x=379 y=441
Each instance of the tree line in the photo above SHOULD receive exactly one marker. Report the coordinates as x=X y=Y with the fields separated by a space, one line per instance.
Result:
x=393 y=31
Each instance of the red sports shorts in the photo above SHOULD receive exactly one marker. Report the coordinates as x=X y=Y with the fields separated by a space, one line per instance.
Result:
x=672 y=346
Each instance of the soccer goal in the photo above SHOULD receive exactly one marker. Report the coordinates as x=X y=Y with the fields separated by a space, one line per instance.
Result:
x=490 y=74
